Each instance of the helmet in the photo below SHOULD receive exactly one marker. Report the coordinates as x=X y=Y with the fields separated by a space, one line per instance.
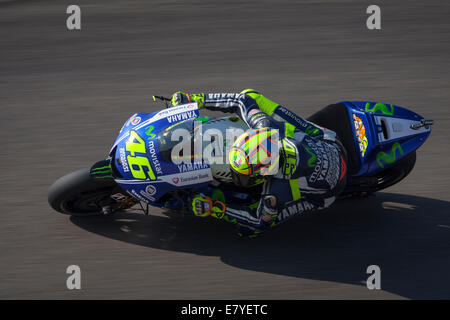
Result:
x=255 y=154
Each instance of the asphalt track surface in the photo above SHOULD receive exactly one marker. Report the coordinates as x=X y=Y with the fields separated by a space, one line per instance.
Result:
x=65 y=94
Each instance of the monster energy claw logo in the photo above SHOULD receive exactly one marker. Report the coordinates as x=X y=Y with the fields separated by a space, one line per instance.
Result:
x=382 y=107
x=390 y=157
x=102 y=172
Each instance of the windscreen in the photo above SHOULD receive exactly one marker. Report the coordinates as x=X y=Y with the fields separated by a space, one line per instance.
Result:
x=176 y=134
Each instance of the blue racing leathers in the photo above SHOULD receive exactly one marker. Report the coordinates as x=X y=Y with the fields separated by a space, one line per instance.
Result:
x=313 y=162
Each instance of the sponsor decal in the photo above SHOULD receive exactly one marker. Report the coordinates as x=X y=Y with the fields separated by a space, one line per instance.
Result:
x=135 y=121
x=151 y=190
x=118 y=197
x=154 y=157
x=198 y=177
x=291 y=116
x=167 y=113
x=186 y=107
x=321 y=163
x=137 y=195
x=123 y=160
x=335 y=167
x=188 y=178
x=192 y=166
x=181 y=116
x=327 y=166
x=147 y=195
x=293 y=209
x=360 y=130
x=312 y=159
x=389 y=111
x=290 y=158
x=149 y=132
x=390 y=157
x=224 y=95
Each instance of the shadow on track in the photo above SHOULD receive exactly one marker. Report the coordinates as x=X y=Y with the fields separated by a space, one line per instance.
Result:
x=407 y=236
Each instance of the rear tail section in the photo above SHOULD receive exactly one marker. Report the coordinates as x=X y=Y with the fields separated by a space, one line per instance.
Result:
x=381 y=141
x=384 y=134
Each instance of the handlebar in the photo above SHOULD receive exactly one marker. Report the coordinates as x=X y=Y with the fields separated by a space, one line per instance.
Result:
x=162 y=99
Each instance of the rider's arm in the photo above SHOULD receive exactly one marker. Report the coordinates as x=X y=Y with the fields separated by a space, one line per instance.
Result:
x=255 y=109
x=240 y=103
x=284 y=115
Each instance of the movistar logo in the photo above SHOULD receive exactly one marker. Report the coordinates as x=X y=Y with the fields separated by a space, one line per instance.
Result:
x=390 y=157
x=389 y=111
x=149 y=132
x=312 y=159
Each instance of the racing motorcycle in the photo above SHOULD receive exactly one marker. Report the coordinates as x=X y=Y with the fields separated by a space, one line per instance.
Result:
x=380 y=139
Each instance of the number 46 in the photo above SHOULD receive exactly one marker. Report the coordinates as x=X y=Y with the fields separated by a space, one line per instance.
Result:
x=139 y=165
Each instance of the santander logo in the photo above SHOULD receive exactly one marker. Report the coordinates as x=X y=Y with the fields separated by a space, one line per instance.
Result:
x=175 y=180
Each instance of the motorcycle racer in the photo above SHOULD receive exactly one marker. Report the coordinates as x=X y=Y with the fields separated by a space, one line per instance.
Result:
x=308 y=174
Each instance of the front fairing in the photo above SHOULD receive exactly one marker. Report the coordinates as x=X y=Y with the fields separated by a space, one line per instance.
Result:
x=141 y=170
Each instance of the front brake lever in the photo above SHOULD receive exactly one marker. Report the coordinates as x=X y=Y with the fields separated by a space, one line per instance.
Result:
x=162 y=99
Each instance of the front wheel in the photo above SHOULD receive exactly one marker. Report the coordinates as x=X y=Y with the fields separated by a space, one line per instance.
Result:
x=77 y=193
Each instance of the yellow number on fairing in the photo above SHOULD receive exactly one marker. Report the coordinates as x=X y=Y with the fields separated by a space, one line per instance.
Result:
x=137 y=163
x=140 y=163
x=134 y=147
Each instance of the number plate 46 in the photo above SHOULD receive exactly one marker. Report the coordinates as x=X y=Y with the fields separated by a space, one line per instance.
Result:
x=137 y=159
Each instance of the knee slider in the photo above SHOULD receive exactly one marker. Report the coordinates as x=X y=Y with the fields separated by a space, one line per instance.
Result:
x=270 y=206
x=270 y=201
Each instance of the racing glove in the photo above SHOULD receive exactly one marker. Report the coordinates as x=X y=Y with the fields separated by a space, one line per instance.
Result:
x=181 y=98
x=203 y=206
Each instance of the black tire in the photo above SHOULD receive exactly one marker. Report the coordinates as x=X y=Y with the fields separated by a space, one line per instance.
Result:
x=396 y=173
x=78 y=194
x=362 y=187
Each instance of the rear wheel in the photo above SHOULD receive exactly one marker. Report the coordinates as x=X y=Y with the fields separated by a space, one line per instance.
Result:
x=77 y=193
x=382 y=180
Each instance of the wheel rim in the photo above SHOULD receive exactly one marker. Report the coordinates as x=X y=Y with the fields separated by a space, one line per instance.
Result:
x=86 y=204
